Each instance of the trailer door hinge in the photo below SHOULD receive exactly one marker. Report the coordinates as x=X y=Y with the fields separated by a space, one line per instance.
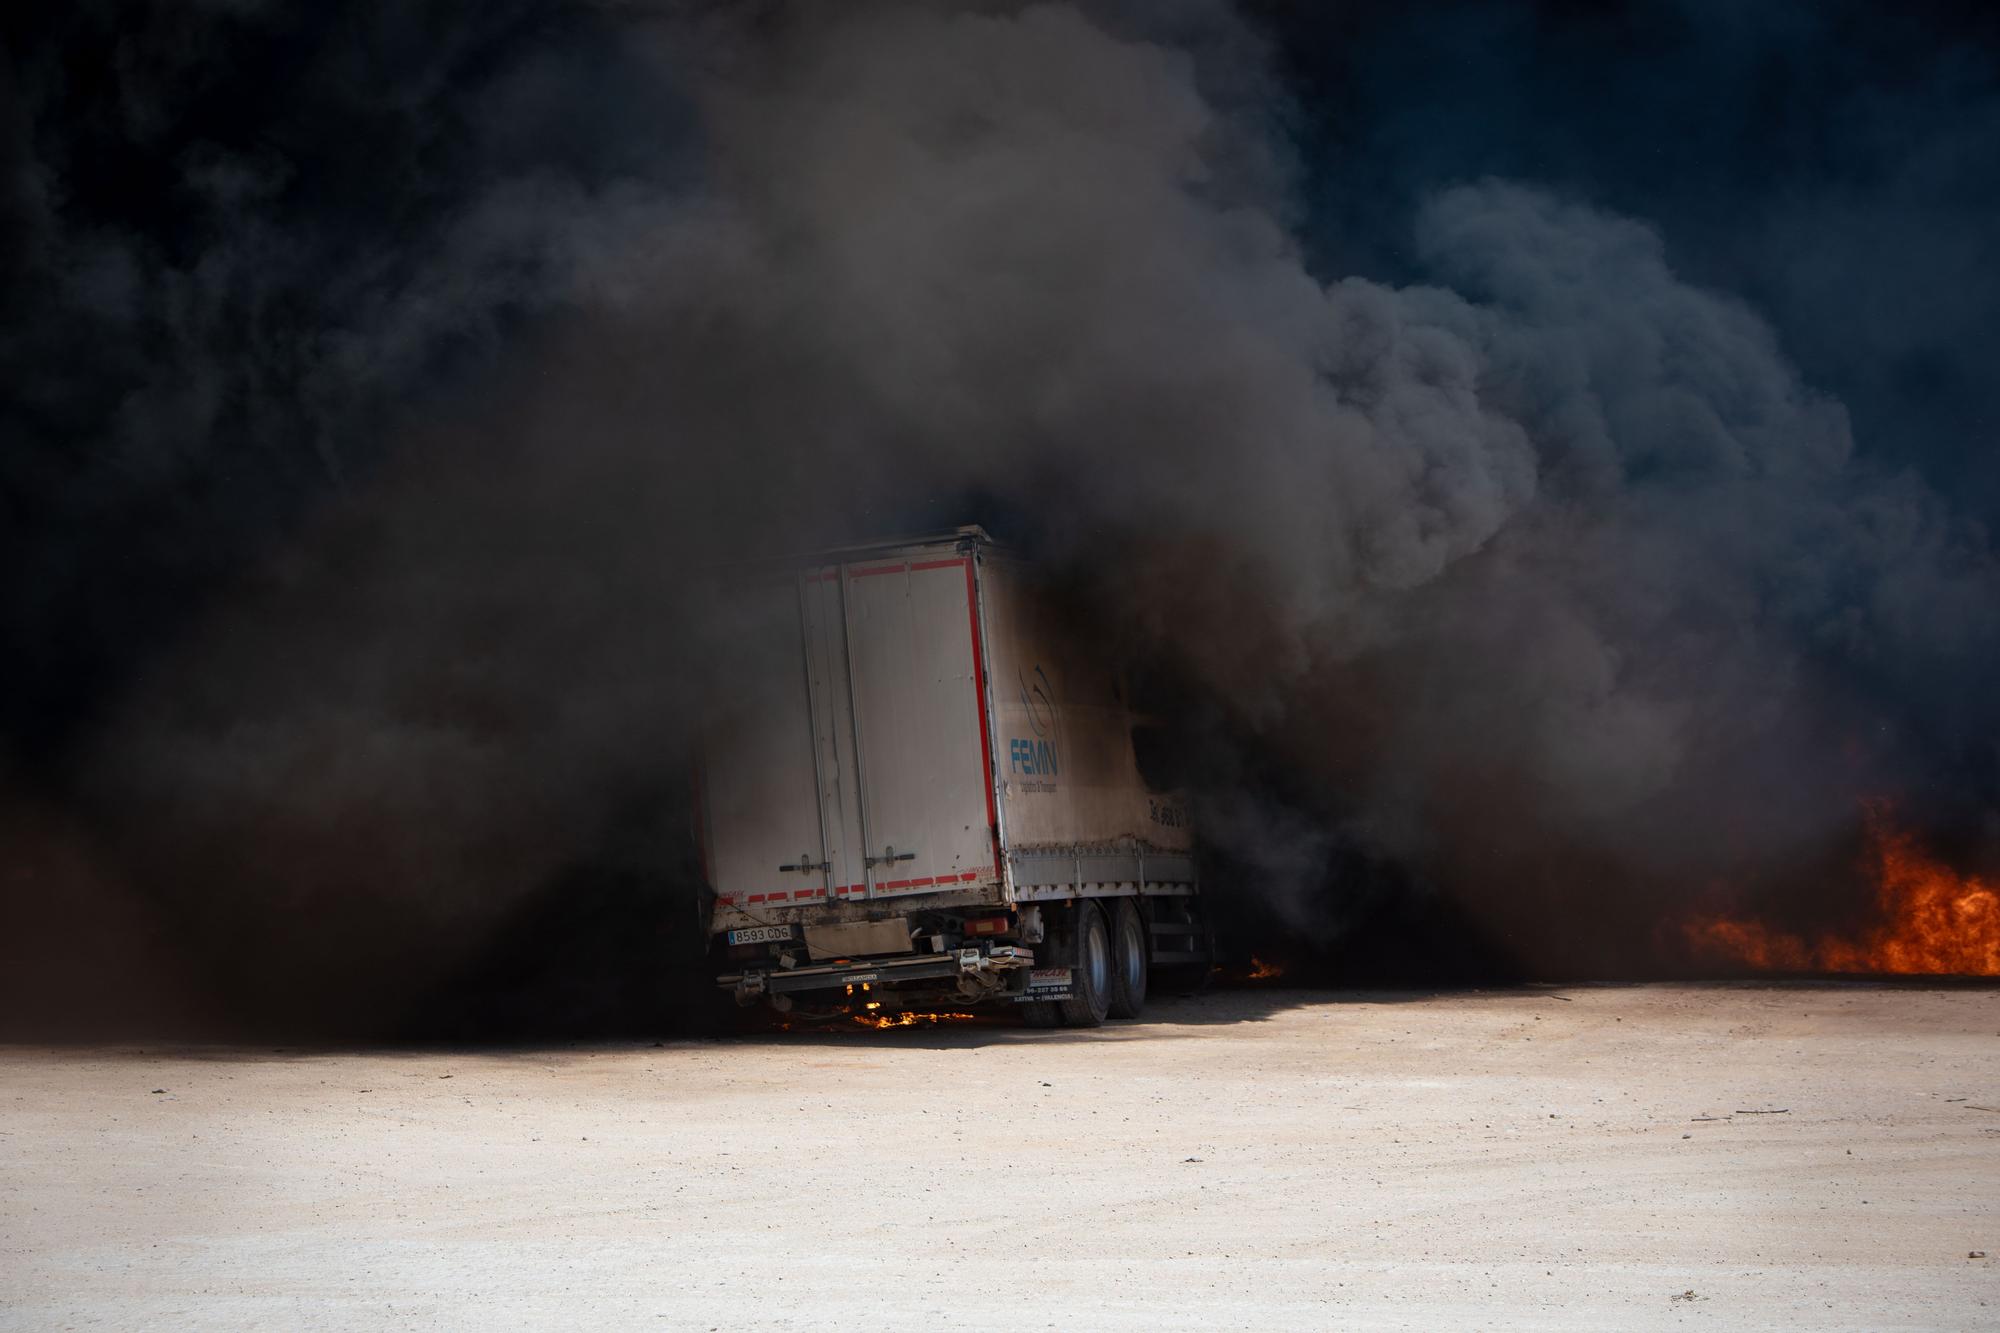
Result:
x=807 y=864
x=888 y=855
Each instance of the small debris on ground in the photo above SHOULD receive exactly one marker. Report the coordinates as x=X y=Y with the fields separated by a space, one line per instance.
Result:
x=1975 y=1254
x=1687 y=1295
x=1190 y=1159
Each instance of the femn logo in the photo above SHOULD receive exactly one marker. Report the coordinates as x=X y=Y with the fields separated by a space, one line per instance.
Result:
x=1032 y=758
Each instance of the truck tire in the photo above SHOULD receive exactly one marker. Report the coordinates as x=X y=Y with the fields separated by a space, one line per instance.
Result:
x=1130 y=948
x=1090 y=983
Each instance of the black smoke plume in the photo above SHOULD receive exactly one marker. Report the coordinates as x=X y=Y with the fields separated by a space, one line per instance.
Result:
x=381 y=377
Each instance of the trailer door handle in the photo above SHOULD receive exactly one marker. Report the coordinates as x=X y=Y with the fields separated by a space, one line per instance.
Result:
x=807 y=864
x=889 y=854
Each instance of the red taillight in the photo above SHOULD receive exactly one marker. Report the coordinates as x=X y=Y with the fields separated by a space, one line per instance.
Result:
x=986 y=925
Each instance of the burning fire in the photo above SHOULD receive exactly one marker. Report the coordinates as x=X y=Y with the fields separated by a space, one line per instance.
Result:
x=871 y=1016
x=1934 y=921
x=1263 y=971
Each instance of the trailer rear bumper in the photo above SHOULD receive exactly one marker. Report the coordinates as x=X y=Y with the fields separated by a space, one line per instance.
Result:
x=982 y=966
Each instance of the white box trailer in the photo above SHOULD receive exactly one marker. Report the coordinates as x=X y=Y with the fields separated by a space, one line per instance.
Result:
x=919 y=790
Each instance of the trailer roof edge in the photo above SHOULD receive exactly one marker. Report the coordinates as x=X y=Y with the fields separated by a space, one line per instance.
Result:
x=884 y=547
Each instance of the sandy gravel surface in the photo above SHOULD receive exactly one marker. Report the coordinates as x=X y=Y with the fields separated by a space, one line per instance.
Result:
x=1281 y=1160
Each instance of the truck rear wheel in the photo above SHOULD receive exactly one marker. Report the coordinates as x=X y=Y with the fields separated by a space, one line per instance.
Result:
x=1091 y=978
x=1129 y=948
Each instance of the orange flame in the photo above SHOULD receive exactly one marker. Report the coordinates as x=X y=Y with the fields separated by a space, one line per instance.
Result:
x=1934 y=921
x=1263 y=971
x=905 y=1018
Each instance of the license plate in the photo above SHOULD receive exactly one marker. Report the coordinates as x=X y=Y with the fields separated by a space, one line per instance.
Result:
x=759 y=934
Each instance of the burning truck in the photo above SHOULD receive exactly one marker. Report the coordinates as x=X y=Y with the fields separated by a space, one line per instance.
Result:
x=920 y=791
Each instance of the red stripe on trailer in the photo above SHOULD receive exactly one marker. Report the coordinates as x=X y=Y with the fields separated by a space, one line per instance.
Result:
x=909 y=883
x=979 y=693
x=869 y=571
x=937 y=564
x=969 y=876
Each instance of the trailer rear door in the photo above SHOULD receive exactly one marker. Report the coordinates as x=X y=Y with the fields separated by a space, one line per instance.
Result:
x=853 y=759
x=919 y=718
x=758 y=785
x=825 y=629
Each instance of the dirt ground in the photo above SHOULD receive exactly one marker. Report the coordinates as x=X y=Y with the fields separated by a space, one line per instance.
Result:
x=1631 y=1157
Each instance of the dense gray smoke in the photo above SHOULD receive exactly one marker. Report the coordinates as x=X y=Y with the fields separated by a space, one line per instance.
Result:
x=1546 y=577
